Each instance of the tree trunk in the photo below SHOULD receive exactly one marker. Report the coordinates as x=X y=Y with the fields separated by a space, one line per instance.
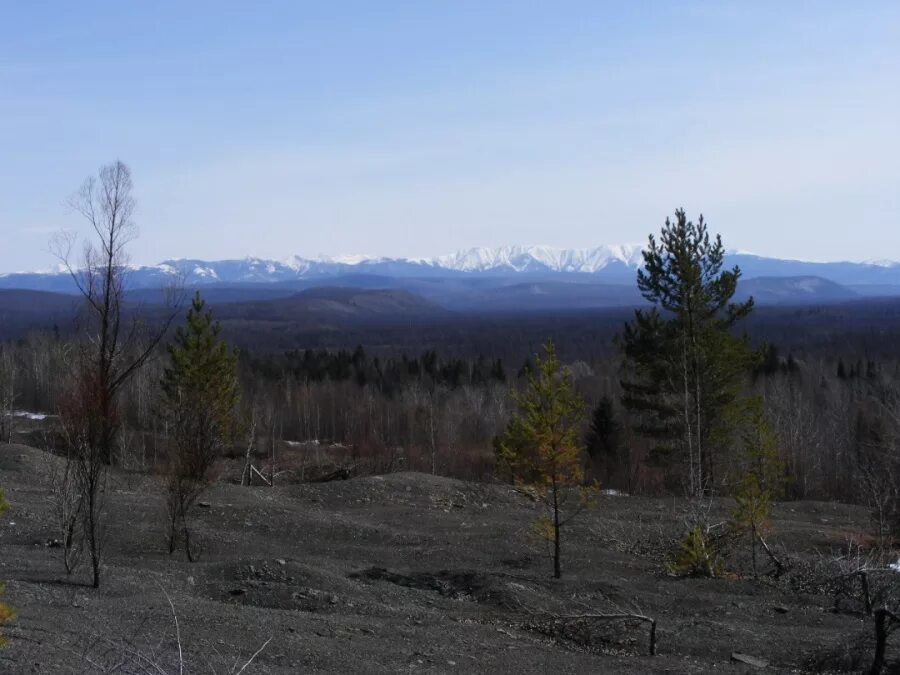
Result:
x=557 y=572
x=173 y=526
x=753 y=549
x=187 y=536
x=92 y=533
x=883 y=618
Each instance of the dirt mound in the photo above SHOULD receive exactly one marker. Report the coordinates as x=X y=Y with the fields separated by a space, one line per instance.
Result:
x=457 y=585
x=417 y=489
x=273 y=584
x=24 y=459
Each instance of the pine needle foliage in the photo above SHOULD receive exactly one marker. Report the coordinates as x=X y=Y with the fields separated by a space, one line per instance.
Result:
x=684 y=366
x=542 y=450
x=200 y=394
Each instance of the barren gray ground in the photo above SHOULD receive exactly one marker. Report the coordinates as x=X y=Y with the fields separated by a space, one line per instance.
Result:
x=397 y=573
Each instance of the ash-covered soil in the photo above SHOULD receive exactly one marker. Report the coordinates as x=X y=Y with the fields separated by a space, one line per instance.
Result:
x=401 y=573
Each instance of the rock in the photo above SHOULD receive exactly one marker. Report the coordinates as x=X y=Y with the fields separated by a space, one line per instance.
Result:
x=281 y=561
x=748 y=660
x=237 y=591
x=780 y=609
x=203 y=505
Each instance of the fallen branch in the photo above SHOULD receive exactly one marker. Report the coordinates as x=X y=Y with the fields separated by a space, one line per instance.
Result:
x=253 y=469
x=771 y=554
x=177 y=629
x=255 y=654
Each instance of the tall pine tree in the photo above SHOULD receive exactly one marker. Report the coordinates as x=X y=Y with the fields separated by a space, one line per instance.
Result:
x=685 y=365
x=200 y=396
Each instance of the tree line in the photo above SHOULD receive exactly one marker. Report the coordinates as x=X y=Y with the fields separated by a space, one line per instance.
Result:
x=690 y=403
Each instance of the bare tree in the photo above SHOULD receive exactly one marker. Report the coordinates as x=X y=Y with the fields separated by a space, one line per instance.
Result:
x=116 y=346
x=7 y=395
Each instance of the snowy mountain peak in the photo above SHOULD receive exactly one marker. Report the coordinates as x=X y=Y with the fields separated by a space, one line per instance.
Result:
x=540 y=258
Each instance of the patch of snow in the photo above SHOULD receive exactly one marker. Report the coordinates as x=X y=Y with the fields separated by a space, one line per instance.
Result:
x=24 y=414
x=614 y=493
x=351 y=259
x=205 y=272
x=525 y=258
x=895 y=566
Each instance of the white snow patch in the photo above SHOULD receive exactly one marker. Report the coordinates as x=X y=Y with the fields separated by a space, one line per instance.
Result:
x=522 y=258
x=24 y=414
x=350 y=259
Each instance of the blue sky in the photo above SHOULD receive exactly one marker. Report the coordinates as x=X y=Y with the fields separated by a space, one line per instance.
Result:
x=417 y=128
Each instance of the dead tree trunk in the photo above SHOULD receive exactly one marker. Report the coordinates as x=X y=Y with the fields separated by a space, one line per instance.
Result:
x=251 y=438
x=883 y=619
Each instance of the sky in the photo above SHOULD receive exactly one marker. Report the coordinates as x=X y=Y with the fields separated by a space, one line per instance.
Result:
x=414 y=128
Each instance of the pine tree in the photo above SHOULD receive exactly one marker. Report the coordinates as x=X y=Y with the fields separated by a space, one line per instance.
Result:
x=686 y=366
x=605 y=434
x=200 y=396
x=541 y=447
x=758 y=479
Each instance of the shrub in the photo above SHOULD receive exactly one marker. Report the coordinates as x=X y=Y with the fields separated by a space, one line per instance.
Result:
x=697 y=555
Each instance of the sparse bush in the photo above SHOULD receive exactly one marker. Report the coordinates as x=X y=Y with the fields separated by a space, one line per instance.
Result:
x=696 y=555
x=67 y=503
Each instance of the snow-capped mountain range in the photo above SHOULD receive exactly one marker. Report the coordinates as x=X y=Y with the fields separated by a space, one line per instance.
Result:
x=615 y=264
x=509 y=259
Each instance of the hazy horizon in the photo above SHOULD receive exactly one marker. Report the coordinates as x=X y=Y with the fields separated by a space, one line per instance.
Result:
x=416 y=130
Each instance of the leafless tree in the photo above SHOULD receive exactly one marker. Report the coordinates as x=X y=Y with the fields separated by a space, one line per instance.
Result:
x=116 y=344
x=7 y=395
